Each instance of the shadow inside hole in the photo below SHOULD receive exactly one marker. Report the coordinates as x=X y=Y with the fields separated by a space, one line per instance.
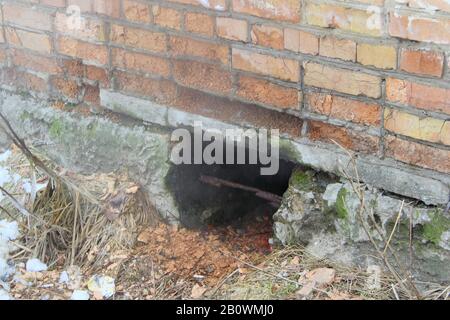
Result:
x=201 y=204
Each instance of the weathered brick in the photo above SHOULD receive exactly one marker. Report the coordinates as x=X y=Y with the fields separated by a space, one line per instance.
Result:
x=337 y=48
x=202 y=76
x=136 y=11
x=199 y=23
x=429 y=5
x=140 y=62
x=107 y=7
x=418 y=95
x=232 y=29
x=347 y=138
x=67 y=88
x=418 y=154
x=419 y=28
x=235 y=112
x=347 y=19
x=423 y=62
x=162 y=91
x=345 y=109
x=30 y=40
x=97 y=74
x=268 y=36
x=89 y=29
x=27 y=16
x=342 y=80
x=180 y=46
x=281 y=68
x=422 y=128
x=219 y=5
x=90 y=53
x=35 y=62
x=23 y=80
x=287 y=10
x=300 y=41
x=380 y=56
x=166 y=17
x=266 y=92
x=138 y=38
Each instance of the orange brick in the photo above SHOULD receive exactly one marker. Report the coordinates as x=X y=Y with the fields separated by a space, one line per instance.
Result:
x=140 y=62
x=90 y=53
x=166 y=17
x=180 y=46
x=429 y=5
x=347 y=138
x=345 y=109
x=342 y=80
x=418 y=154
x=199 y=23
x=232 y=29
x=338 y=48
x=423 y=62
x=281 y=68
x=97 y=74
x=202 y=76
x=419 y=29
x=286 y=10
x=138 y=38
x=300 y=41
x=136 y=11
x=268 y=36
x=266 y=92
x=22 y=80
x=418 y=95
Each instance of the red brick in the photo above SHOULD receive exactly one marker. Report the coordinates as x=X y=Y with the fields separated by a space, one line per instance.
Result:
x=162 y=91
x=202 y=76
x=193 y=48
x=232 y=29
x=418 y=95
x=345 y=109
x=418 y=154
x=90 y=53
x=27 y=16
x=128 y=60
x=285 y=69
x=347 y=138
x=138 y=38
x=166 y=17
x=423 y=62
x=266 y=92
x=199 y=23
x=419 y=28
x=268 y=36
x=35 y=62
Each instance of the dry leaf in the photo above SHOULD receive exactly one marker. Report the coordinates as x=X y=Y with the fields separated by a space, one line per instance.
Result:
x=197 y=291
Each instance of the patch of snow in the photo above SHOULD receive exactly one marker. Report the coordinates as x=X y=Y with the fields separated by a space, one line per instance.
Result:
x=35 y=265
x=80 y=295
x=103 y=286
x=4 y=295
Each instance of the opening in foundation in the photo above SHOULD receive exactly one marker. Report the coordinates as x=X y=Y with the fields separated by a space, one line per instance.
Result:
x=222 y=195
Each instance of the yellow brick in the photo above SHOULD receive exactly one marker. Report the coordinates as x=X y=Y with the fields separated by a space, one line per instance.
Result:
x=428 y=129
x=383 y=57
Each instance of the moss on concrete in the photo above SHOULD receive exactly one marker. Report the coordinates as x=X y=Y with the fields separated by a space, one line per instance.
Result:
x=433 y=230
x=301 y=180
x=341 y=208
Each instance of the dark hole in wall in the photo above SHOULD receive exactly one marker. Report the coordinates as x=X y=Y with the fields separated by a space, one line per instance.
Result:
x=204 y=205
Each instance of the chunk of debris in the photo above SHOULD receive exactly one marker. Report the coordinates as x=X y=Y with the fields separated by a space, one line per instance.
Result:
x=80 y=295
x=102 y=286
x=35 y=265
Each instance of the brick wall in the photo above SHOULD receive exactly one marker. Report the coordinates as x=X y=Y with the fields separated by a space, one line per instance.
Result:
x=372 y=75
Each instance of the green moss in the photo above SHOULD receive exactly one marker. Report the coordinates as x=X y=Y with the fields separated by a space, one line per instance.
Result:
x=301 y=180
x=433 y=230
x=341 y=207
x=56 y=128
x=289 y=151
